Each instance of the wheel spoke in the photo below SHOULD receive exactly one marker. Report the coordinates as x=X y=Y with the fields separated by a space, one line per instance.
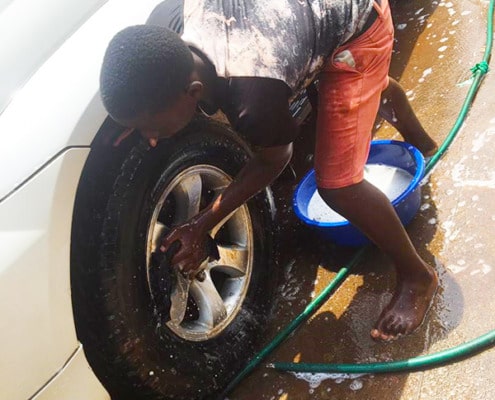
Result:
x=158 y=231
x=217 y=227
x=188 y=197
x=233 y=260
x=179 y=299
x=210 y=304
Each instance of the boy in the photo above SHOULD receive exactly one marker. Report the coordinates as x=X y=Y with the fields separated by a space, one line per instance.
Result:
x=249 y=58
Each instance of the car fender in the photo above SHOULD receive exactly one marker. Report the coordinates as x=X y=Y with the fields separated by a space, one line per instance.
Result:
x=59 y=106
x=45 y=136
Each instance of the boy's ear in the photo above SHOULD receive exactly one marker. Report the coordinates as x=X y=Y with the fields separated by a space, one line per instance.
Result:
x=195 y=89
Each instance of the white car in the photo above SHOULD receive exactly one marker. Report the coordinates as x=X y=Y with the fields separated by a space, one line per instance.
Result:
x=85 y=305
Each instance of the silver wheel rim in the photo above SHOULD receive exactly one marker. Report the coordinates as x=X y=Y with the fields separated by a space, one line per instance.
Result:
x=215 y=301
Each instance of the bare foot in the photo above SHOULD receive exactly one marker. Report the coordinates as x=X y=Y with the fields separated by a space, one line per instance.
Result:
x=407 y=309
x=426 y=146
x=431 y=151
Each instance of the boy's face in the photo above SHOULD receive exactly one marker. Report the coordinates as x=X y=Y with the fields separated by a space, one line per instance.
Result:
x=168 y=122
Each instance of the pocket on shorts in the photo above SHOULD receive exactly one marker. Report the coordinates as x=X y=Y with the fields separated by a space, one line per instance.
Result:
x=344 y=60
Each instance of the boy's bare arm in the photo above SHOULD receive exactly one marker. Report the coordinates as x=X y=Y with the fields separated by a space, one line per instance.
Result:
x=259 y=172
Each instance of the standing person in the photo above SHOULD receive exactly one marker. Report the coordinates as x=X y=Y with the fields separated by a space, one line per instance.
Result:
x=249 y=58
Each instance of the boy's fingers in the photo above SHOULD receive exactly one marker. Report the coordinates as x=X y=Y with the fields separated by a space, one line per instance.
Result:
x=165 y=244
x=170 y=244
x=123 y=136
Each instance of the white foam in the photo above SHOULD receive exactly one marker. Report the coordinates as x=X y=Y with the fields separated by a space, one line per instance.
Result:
x=356 y=385
x=316 y=379
x=390 y=180
x=486 y=269
x=427 y=72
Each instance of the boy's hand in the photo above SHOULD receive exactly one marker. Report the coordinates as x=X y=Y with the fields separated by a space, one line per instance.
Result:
x=195 y=247
x=124 y=135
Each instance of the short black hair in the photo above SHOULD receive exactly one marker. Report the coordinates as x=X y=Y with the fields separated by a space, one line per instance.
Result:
x=144 y=69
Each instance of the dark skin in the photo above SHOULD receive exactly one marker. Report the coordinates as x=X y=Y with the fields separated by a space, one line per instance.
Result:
x=416 y=280
x=262 y=169
x=396 y=110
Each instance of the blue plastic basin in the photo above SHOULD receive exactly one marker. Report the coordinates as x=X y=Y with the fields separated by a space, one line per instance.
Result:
x=387 y=152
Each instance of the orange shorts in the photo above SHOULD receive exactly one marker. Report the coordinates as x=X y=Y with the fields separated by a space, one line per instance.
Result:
x=350 y=87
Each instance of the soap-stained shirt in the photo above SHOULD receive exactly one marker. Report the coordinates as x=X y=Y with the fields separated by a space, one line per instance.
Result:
x=287 y=40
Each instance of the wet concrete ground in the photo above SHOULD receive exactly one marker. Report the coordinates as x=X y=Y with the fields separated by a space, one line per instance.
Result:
x=437 y=43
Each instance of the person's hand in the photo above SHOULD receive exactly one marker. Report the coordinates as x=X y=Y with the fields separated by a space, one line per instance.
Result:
x=195 y=247
x=124 y=135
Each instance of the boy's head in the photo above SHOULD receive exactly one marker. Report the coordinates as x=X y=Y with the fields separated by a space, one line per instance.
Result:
x=146 y=80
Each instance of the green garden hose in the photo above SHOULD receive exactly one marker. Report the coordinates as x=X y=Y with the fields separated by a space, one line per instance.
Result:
x=427 y=361
x=421 y=362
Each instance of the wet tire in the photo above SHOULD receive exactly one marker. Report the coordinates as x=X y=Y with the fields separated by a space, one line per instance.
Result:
x=123 y=323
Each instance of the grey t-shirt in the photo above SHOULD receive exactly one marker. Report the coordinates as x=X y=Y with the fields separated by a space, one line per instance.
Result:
x=287 y=40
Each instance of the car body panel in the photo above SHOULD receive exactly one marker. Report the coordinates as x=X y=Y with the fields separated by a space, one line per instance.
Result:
x=67 y=81
x=45 y=133
x=75 y=381
x=38 y=334
x=34 y=39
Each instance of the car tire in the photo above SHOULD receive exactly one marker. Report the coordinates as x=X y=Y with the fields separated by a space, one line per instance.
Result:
x=121 y=307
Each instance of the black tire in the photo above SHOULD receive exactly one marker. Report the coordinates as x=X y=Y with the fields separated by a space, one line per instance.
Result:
x=123 y=330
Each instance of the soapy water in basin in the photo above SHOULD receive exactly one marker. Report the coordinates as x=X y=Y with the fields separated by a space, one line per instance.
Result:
x=390 y=180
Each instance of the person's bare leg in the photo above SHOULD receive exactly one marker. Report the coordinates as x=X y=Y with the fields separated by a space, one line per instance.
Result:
x=396 y=110
x=416 y=280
